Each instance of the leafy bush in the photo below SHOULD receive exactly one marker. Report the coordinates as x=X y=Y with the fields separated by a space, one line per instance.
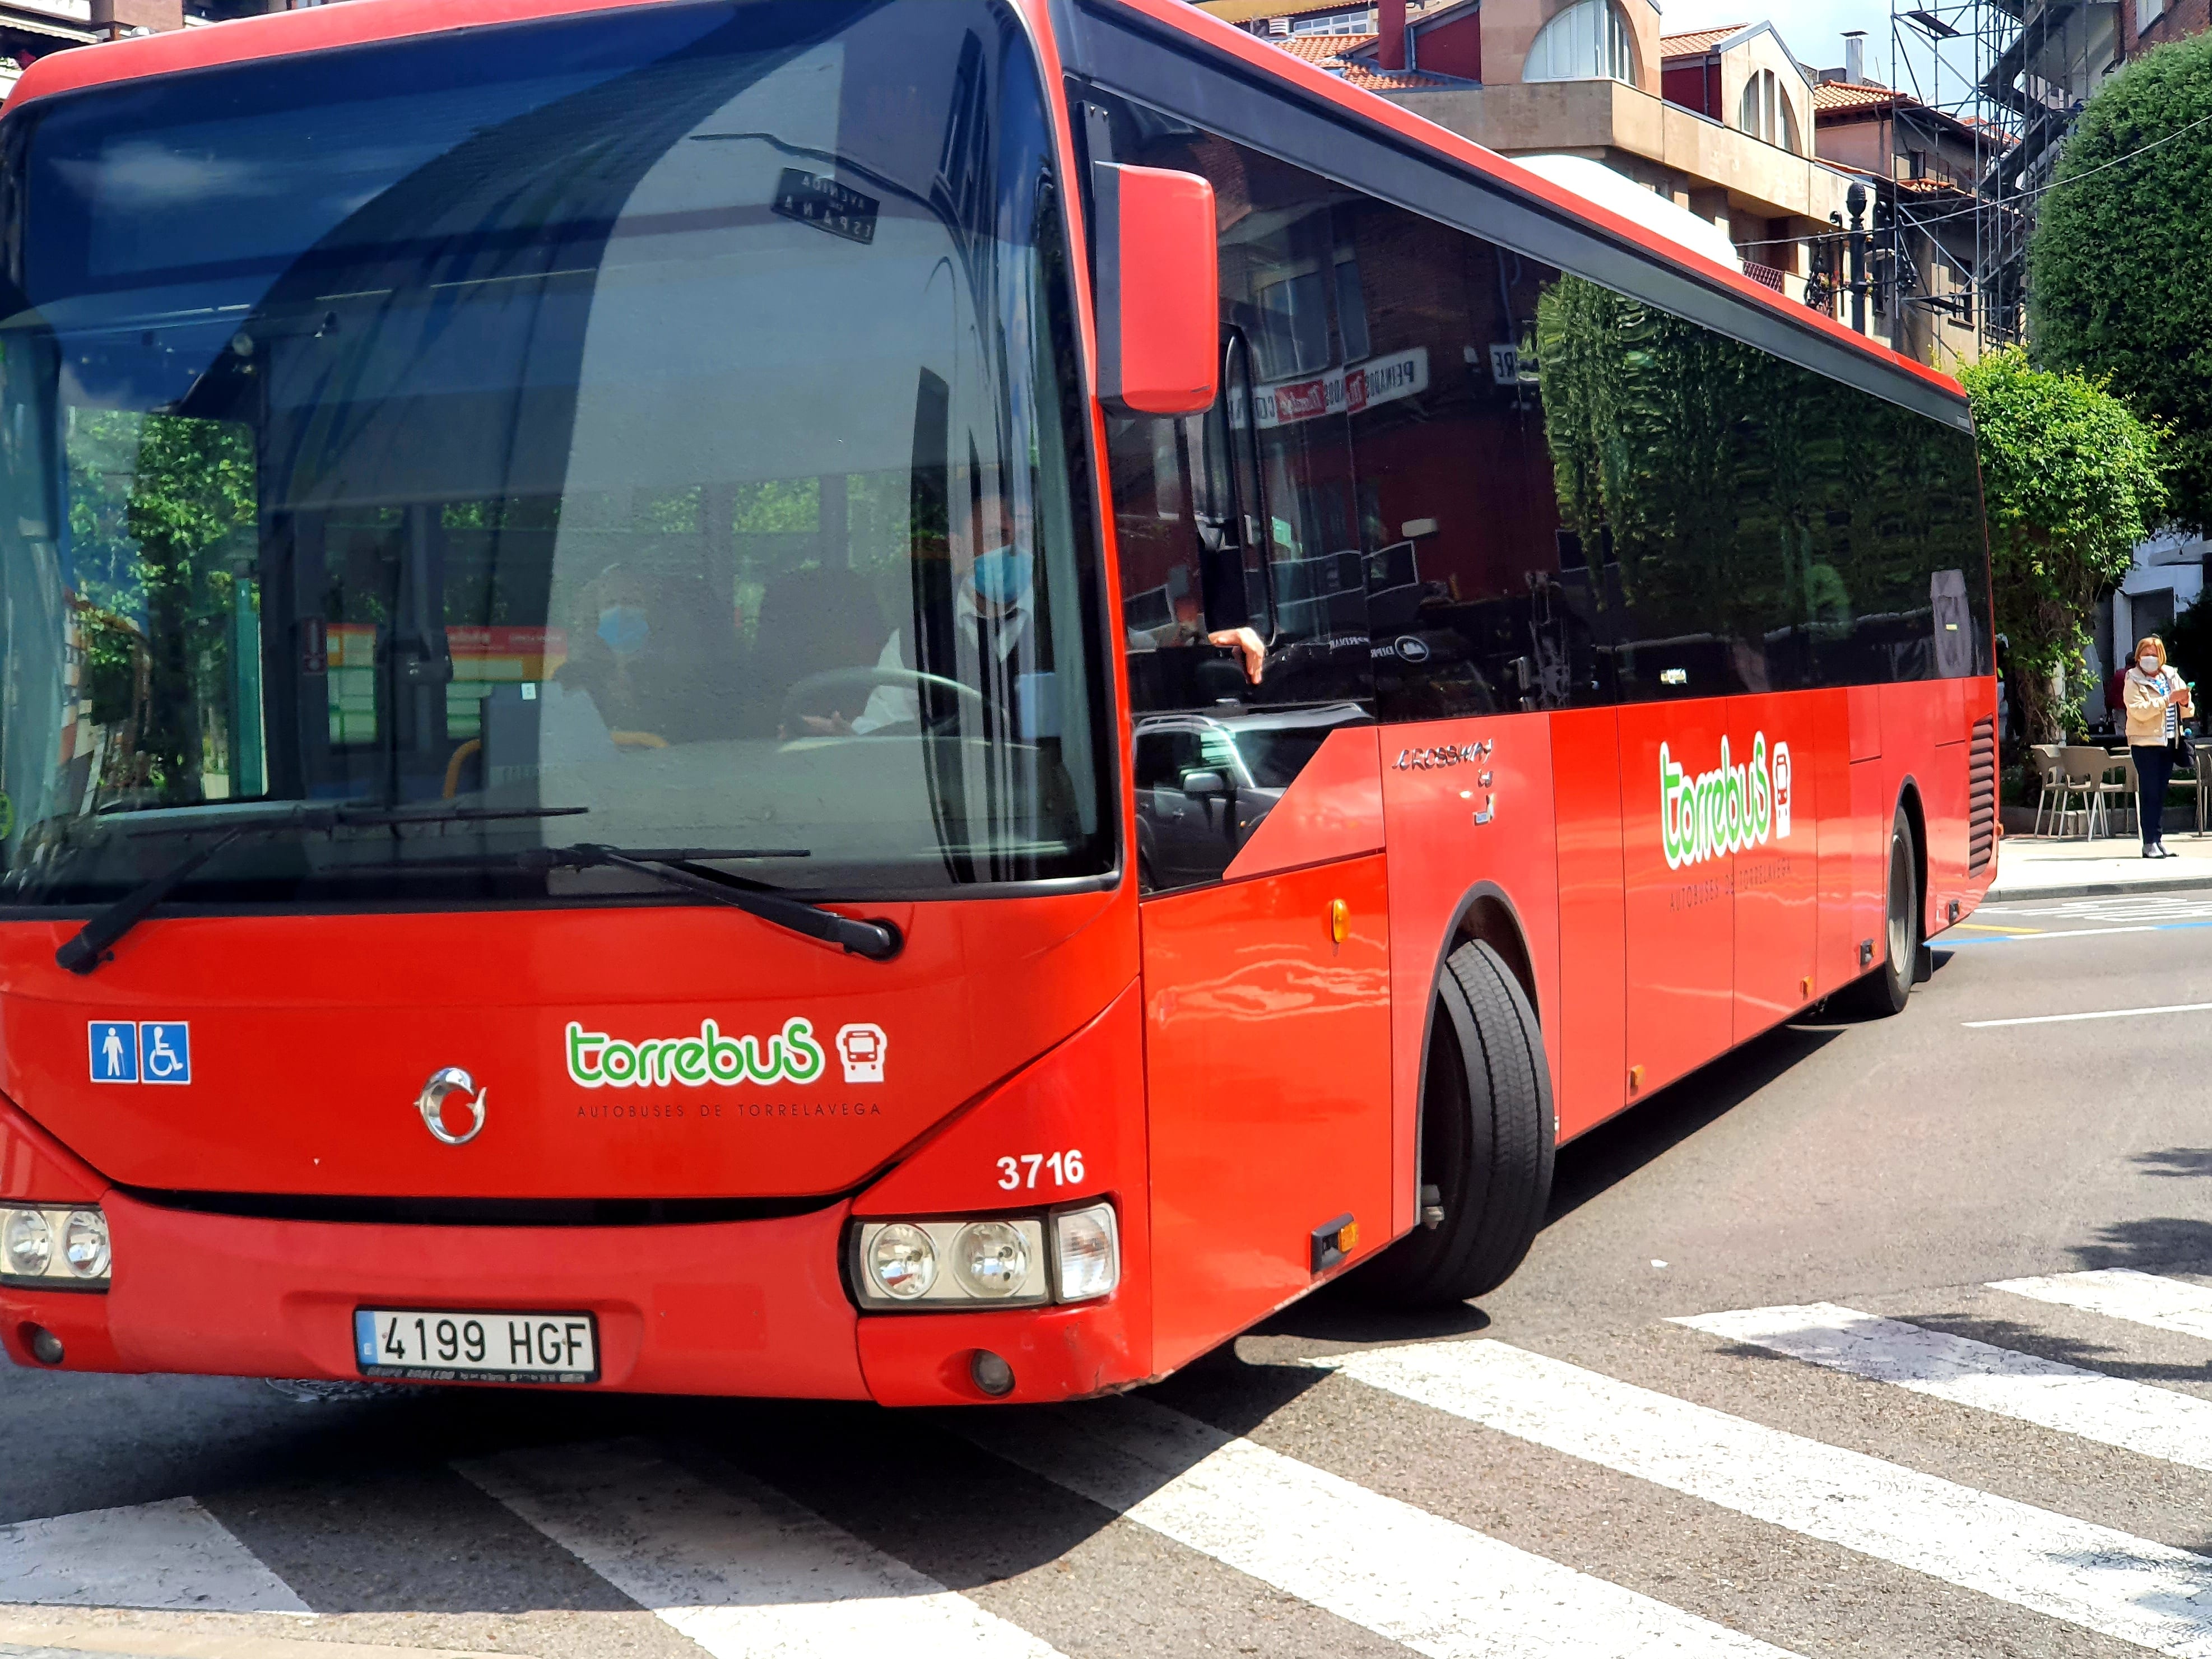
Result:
x=2072 y=481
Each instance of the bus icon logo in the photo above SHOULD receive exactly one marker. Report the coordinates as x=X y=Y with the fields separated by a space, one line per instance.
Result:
x=114 y=1051
x=165 y=1051
x=861 y=1049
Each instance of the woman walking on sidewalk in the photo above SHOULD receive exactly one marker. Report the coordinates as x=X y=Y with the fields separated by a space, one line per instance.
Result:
x=2157 y=701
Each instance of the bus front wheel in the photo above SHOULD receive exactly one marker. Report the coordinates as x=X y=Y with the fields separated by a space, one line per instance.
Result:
x=1883 y=992
x=1487 y=1139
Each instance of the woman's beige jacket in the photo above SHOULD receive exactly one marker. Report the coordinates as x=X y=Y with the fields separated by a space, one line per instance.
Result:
x=2146 y=710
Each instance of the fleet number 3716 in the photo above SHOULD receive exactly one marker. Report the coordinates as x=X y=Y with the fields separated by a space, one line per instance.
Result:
x=1020 y=1171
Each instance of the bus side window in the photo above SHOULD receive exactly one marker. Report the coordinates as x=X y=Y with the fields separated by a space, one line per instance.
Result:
x=1477 y=602
x=1245 y=517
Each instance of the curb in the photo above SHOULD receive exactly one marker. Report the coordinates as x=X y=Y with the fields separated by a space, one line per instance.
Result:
x=2100 y=889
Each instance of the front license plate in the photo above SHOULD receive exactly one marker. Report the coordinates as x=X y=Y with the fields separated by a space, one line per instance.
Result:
x=438 y=1345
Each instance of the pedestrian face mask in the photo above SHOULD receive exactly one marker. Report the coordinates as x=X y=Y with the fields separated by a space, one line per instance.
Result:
x=2148 y=663
x=1002 y=574
x=624 y=629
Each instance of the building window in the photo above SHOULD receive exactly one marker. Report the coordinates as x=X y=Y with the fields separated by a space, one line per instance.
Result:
x=1588 y=41
x=1766 y=114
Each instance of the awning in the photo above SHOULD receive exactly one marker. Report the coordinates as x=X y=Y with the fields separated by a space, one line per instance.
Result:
x=11 y=19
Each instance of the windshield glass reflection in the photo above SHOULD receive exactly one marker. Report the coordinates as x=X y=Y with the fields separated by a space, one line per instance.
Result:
x=647 y=429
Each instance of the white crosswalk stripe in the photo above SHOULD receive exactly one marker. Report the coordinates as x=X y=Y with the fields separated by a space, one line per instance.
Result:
x=736 y=1566
x=2093 y=1576
x=741 y=1570
x=1429 y=1583
x=2155 y=1422
x=2141 y=1298
x=172 y=1554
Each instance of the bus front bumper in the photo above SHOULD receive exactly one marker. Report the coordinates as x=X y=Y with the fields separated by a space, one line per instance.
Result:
x=742 y=1308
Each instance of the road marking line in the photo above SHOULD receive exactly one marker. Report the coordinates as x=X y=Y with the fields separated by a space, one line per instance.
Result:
x=737 y=1567
x=1992 y=927
x=1409 y=1574
x=2155 y=1422
x=2096 y=1577
x=226 y=1643
x=2141 y=1298
x=172 y=1554
x=2073 y=932
x=2101 y=1013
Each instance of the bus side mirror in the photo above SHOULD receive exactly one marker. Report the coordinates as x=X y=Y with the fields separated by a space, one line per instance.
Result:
x=1159 y=290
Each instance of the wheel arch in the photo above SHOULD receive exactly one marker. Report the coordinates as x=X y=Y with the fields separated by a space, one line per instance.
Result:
x=1915 y=814
x=1485 y=911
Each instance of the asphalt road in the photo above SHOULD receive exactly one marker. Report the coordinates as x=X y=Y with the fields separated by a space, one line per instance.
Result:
x=1961 y=1406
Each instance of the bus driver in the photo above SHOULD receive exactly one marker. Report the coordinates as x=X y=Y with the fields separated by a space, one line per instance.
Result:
x=993 y=603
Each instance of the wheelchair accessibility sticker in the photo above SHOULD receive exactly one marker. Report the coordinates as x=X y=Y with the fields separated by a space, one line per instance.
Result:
x=141 y=1051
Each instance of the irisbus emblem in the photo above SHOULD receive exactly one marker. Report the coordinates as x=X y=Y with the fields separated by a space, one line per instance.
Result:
x=1731 y=809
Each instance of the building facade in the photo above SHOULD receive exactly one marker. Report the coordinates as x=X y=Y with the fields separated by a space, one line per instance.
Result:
x=1589 y=79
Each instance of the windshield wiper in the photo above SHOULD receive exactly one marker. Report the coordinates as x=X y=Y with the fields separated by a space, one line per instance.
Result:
x=89 y=945
x=879 y=941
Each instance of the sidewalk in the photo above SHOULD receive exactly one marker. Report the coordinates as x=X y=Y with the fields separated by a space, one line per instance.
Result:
x=2043 y=866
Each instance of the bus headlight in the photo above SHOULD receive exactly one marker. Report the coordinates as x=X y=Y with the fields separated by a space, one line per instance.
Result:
x=1087 y=1251
x=937 y=1265
x=901 y=1261
x=992 y=1259
x=84 y=1243
x=1002 y=1261
x=27 y=1245
x=49 y=1246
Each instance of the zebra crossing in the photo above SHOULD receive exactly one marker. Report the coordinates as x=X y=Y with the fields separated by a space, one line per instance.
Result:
x=1314 y=1542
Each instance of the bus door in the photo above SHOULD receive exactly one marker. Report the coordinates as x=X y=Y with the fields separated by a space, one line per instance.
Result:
x=1259 y=841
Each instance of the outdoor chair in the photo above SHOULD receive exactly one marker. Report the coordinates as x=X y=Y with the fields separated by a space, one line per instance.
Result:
x=2081 y=772
x=2049 y=775
x=2122 y=786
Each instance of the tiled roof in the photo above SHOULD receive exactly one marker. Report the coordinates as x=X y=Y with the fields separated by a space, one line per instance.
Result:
x=1334 y=52
x=1697 y=42
x=1321 y=48
x=1835 y=97
x=1371 y=79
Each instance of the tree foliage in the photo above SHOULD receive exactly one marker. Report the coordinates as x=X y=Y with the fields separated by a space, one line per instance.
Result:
x=2120 y=268
x=159 y=505
x=2072 y=480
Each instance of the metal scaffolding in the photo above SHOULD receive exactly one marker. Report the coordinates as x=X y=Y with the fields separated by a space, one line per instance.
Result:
x=2015 y=75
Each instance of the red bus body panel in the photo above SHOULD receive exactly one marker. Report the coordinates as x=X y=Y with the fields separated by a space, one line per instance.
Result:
x=1235 y=1076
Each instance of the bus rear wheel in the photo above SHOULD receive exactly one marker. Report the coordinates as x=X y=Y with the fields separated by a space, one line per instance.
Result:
x=1884 y=992
x=1488 y=1139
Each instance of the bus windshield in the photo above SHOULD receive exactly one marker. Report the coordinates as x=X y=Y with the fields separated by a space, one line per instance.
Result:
x=653 y=429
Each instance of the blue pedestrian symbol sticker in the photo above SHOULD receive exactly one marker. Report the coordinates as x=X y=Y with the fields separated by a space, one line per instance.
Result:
x=165 y=1051
x=114 y=1051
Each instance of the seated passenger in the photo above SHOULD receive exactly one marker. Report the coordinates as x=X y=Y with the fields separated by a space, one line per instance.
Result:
x=656 y=655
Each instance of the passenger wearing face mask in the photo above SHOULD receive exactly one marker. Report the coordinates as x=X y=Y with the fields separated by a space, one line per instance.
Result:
x=646 y=646
x=2158 y=701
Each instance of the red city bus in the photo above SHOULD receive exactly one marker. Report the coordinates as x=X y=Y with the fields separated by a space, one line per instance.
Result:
x=922 y=700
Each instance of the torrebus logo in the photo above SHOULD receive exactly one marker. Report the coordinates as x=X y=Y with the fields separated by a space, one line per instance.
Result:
x=596 y=1060
x=1730 y=809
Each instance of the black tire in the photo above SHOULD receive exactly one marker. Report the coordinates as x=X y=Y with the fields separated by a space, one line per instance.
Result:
x=1884 y=992
x=1487 y=1139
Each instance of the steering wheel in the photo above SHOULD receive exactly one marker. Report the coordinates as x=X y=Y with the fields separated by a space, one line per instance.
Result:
x=810 y=689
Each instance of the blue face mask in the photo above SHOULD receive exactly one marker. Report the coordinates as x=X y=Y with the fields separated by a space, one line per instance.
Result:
x=1002 y=575
x=623 y=627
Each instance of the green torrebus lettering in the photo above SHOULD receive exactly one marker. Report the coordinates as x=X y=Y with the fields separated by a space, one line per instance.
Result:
x=1728 y=810
x=596 y=1060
